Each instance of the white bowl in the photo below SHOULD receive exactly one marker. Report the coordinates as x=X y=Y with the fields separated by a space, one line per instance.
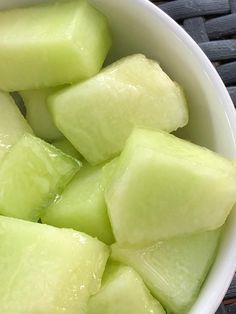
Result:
x=139 y=26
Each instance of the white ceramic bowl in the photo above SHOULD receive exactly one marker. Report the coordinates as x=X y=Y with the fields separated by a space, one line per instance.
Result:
x=138 y=26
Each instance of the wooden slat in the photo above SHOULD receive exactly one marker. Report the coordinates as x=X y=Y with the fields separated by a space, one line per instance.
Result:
x=232 y=4
x=221 y=310
x=231 y=293
x=182 y=9
x=227 y=72
x=220 y=49
x=221 y=27
x=195 y=27
x=232 y=92
x=231 y=309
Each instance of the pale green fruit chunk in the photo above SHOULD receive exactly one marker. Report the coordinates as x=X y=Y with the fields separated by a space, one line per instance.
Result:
x=66 y=147
x=133 y=91
x=46 y=270
x=51 y=44
x=164 y=186
x=108 y=171
x=37 y=113
x=82 y=206
x=175 y=269
x=123 y=292
x=12 y=123
x=31 y=175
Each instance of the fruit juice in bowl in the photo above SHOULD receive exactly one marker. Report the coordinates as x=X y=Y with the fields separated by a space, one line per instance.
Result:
x=79 y=119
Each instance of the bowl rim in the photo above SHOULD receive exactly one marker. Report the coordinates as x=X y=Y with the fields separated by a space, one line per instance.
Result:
x=227 y=106
x=230 y=112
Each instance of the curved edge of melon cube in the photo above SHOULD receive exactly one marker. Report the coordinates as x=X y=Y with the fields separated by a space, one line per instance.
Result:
x=167 y=187
x=100 y=118
x=38 y=115
x=123 y=291
x=66 y=147
x=82 y=206
x=12 y=123
x=173 y=269
x=57 y=269
x=32 y=174
x=51 y=44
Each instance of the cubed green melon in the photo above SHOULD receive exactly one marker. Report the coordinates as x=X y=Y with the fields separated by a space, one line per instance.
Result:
x=46 y=270
x=133 y=91
x=108 y=171
x=12 y=123
x=123 y=292
x=82 y=206
x=31 y=176
x=164 y=186
x=51 y=44
x=66 y=147
x=174 y=269
x=37 y=113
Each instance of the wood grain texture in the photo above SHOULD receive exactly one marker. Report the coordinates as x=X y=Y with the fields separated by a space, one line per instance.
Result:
x=219 y=50
x=182 y=9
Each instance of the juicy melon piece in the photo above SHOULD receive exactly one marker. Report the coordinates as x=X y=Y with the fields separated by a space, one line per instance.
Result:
x=51 y=44
x=47 y=270
x=82 y=207
x=174 y=269
x=37 y=113
x=123 y=292
x=31 y=175
x=5 y=4
x=164 y=186
x=12 y=123
x=66 y=147
x=108 y=171
x=133 y=91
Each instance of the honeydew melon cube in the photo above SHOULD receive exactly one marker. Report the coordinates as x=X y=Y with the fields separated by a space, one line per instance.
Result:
x=51 y=44
x=12 y=123
x=133 y=91
x=164 y=186
x=123 y=291
x=82 y=206
x=66 y=147
x=174 y=269
x=37 y=114
x=44 y=269
x=31 y=176
x=108 y=171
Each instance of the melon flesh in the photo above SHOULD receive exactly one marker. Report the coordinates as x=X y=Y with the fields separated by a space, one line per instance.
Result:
x=31 y=175
x=82 y=206
x=12 y=123
x=37 y=113
x=133 y=91
x=108 y=171
x=46 y=270
x=51 y=44
x=66 y=147
x=164 y=186
x=175 y=269
x=123 y=292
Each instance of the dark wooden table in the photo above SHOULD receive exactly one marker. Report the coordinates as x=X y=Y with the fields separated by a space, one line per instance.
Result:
x=212 y=24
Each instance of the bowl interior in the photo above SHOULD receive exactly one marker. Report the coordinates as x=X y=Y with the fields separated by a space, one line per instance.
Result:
x=139 y=27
